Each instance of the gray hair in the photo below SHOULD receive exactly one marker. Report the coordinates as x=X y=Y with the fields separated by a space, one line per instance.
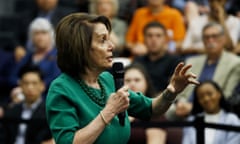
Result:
x=214 y=24
x=41 y=24
x=93 y=7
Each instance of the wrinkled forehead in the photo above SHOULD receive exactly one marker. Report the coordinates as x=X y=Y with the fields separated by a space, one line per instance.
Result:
x=100 y=29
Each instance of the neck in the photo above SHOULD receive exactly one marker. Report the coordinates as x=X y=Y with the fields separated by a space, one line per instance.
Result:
x=214 y=112
x=43 y=51
x=156 y=9
x=213 y=58
x=91 y=78
x=30 y=102
x=155 y=56
x=216 y=18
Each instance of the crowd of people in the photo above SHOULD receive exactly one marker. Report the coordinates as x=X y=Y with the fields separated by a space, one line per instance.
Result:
x=152 y=36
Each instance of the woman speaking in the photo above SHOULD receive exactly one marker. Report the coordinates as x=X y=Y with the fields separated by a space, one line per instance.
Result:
x=82 y=104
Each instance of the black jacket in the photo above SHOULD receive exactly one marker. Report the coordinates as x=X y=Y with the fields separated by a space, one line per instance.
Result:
x=37 y=130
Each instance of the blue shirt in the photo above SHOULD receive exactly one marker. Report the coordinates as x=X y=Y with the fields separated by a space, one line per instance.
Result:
x=206 y=74
x=208 y=71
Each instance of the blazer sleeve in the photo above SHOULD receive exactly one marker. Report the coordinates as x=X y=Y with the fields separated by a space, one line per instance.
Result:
x=232 y=80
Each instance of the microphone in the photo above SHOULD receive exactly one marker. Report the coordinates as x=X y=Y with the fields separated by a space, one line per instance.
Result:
x=118 y=73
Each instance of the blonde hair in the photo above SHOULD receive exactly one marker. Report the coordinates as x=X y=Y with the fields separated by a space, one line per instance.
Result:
x=93 y=7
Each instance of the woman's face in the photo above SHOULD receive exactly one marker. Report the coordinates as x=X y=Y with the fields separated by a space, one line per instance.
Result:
x=209 y=98
x=101 y=51
x=135 y=80
x=105 y=7
x=42 y=40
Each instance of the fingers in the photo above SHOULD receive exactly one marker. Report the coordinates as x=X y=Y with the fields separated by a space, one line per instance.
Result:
x=178 y=68
x=181 y=69
x=185 y=69
x=192 y=78
x=122 y=96
x=193 y=81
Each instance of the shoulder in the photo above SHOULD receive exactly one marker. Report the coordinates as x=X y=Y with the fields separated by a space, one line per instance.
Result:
x=174 y=58
x=107 y=78
x=63 y=80
x=231 y=118
x=231 y=56
x=196 y=58
x=171 y=11
x=232 y=19
x=231 y=59
x=63 y=85
x=142 y=11
x=13 y=110
x=118 y=22
x=106 y=75
x=140 y=59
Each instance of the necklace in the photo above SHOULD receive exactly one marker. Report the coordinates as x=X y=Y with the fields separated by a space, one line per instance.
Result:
x=91 y=92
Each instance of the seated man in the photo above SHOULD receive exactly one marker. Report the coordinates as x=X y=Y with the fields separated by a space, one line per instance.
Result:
x=217 y=64
x=32 y=109
x=155 y=10
x=158 y=62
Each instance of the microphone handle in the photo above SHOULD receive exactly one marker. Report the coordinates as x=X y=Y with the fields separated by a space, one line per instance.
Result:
x=122 y=115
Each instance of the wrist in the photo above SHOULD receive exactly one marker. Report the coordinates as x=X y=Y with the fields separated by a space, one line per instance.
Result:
x=108 y=115
x=105 y=121
x=171 y=89
x=169 y=95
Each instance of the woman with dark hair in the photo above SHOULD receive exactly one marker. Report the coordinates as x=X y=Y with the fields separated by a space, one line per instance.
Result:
x=138 y=80
x=82 y=104
x=131 y=81
x=209 y=104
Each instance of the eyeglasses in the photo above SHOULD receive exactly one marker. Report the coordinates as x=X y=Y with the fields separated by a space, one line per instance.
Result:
x=214 y=36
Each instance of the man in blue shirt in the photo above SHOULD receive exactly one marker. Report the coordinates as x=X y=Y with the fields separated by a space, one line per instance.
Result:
x=217 y=64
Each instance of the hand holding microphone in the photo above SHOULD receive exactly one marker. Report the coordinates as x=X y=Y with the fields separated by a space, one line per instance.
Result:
x=119 y=101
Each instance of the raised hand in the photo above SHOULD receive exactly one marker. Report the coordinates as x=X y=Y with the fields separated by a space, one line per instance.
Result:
x=181 y=78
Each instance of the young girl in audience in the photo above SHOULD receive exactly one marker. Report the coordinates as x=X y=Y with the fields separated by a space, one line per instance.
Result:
x=210 y=105
x=138 y=80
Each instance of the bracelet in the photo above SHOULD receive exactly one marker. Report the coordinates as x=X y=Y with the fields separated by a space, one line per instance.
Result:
x=168 y=96
x=103 y=118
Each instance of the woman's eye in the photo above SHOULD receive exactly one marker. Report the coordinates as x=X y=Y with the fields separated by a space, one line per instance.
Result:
x=103 y=39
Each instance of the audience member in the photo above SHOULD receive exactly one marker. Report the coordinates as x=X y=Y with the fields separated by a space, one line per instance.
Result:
x=155 y=11
x=109 y=8
x=43 y=53
x=138 y=80
x=217 y=64
x=210 y=106
x=157 y=61
x=193 y=44
x=32 y=108
x=47 y=9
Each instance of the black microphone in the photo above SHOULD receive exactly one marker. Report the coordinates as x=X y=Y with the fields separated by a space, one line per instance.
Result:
x=118 y=74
